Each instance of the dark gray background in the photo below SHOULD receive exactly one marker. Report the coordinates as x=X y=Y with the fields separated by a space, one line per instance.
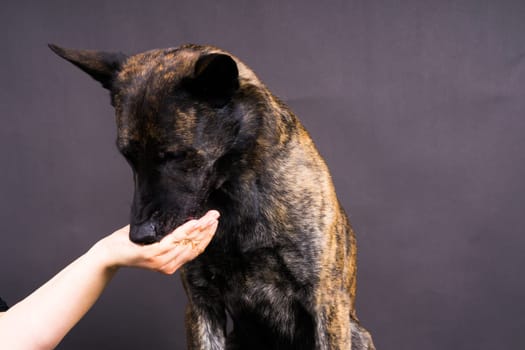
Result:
x=417 y=106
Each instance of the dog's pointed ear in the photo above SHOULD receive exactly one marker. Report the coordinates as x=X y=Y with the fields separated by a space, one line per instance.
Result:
x=215 y=78
x=101 y=66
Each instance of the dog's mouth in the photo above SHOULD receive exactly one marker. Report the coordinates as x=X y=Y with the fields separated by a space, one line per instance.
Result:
x=154 y=229
x=162 y=221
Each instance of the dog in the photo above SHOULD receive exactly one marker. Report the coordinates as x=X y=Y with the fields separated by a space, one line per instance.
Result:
x=201 y=131
x=3 y=306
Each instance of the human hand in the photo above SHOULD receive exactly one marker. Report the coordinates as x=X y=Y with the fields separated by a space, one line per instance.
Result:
x=185 y=243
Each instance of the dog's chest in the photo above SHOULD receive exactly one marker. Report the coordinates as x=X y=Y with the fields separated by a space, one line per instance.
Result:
x=262 y=290
x=268 y=308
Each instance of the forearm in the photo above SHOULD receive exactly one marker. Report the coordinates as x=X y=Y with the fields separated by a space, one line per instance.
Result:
x=41 y=320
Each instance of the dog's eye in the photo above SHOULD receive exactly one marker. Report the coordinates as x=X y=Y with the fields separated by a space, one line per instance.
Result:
x=173 y=156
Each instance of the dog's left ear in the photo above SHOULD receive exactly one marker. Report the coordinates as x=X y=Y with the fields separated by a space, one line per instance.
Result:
x=215 y=78
x=101 y=66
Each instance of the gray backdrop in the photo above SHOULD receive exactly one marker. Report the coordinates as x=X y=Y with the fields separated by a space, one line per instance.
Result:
x=417 y=106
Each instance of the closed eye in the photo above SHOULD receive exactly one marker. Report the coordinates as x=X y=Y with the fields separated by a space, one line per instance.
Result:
x=176 y=156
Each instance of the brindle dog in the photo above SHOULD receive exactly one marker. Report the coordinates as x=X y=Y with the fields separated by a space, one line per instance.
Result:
x=200 y=132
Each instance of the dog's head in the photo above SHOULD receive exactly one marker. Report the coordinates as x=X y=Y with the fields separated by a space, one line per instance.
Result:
x=179 y=127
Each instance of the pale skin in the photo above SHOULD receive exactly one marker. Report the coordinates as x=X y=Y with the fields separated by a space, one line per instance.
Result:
x=41 y=320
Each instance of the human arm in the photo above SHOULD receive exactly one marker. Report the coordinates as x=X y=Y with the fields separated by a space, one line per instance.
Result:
x=42 y=319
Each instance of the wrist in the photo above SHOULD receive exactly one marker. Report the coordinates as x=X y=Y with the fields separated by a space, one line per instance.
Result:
x=100 y=257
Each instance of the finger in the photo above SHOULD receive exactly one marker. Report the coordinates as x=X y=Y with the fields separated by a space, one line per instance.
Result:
x=183 y=252
x=195 y=225
x=190 y=233
x=176 y=257
x=180 y=232
x=207 y=237
x=188 y=249
x=210 y=217
x=199 y=243
x=171 y=267
x=204 y=224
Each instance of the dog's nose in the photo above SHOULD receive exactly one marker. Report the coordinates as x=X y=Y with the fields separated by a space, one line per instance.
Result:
x=144 y=233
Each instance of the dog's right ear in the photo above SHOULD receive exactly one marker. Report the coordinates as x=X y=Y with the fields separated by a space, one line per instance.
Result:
x=101 y=66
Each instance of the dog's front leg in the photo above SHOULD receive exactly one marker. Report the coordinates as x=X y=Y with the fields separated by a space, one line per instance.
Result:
x=205 y=327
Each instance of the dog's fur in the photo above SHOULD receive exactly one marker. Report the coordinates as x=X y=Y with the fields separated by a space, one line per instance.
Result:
x=3 y=306
x=200 y=132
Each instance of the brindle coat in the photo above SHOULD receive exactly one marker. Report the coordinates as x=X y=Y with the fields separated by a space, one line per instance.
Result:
x=200 y=132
